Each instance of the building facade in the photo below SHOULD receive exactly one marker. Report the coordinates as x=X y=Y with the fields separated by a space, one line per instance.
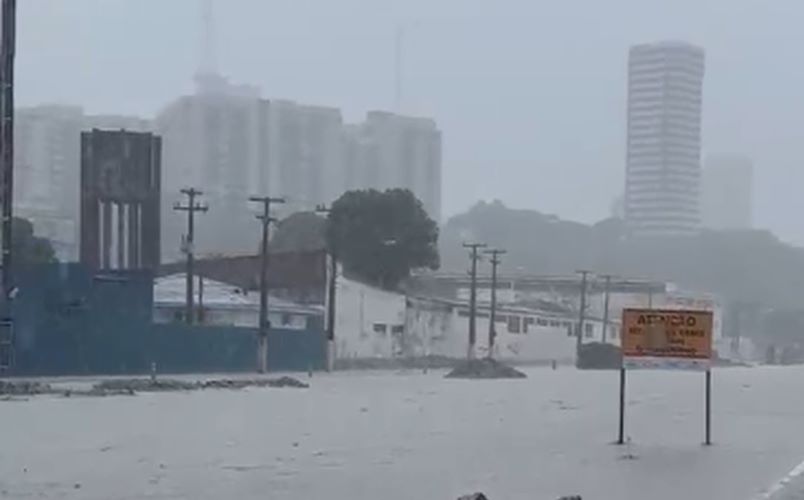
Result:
x=231 y=144
x=213 y=141
x=47 y=169
x=726 y=192
x=120 y=199
x=394 y=151
x=665 y=88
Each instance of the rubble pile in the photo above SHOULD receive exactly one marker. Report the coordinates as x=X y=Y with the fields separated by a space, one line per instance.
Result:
x=23 y=388
x=143 y=385
x=260 y=382
x=485 y=368
x=132 y=386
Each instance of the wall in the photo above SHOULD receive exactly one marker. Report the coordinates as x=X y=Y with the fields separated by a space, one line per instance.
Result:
x=438 y=329
x=369 y=321
x=372 y=323
x=69 y=320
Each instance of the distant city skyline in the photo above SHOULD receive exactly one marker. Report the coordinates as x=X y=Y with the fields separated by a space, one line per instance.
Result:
x=514 y=102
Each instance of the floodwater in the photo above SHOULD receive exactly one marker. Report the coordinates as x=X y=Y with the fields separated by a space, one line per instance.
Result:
x=403 y=435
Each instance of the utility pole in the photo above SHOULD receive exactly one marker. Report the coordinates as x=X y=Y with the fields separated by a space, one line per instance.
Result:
x=606 y=306
x=331 y=287
x=495 y=261
x=189 y=241
x=264 y=326
x=474 y=247
x=7 y=52
x=581 y=315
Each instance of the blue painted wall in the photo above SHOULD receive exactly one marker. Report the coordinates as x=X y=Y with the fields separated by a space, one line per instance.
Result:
x=69 y=321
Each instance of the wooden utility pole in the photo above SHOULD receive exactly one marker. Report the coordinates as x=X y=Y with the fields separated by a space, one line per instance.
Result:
x=188 y=244
x=7 y=52
x=474 y=247
x=264 y=324
x=331 y=290
x=581 y=315
x=606 y=306
x=495 y=261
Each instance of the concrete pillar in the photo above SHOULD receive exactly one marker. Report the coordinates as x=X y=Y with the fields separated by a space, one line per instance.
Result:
x=106 y=236
x=134 y=236
x=121 y=235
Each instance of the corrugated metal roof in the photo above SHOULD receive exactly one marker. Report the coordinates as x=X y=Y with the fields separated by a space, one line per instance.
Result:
x=169 y=290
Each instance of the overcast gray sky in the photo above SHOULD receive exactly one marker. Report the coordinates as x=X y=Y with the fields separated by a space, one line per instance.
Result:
x=530 y=94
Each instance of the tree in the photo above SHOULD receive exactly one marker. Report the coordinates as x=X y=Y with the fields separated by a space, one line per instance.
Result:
x=747 y=266
x=381 y=236
x=299 y=232
x=27 y=249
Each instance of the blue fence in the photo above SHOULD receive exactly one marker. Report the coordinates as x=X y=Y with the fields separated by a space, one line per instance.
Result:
x=70 y=321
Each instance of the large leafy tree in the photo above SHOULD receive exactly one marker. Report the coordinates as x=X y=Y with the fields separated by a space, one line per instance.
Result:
x=381 y=236
x=299 y=232
x=26 y=248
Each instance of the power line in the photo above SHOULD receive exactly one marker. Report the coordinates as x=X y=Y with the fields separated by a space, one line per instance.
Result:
x=474 y=247
x=606 y=306
x=581 y=314
x=264 y=325
x=331 y=290
x=495 y=261
x=188 y=243
x=7 y=52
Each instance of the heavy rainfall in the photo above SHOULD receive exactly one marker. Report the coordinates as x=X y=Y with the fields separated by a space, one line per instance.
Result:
x=429 y=249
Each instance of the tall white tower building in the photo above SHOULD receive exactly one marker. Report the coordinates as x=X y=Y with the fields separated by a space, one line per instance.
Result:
x=663 y=171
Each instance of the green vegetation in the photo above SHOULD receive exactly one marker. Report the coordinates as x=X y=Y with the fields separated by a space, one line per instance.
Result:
x=381 y=236
x=27 y=249
x=299 y=232
x=751 y=267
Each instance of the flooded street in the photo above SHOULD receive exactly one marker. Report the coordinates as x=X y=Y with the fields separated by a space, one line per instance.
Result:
x=411 y=435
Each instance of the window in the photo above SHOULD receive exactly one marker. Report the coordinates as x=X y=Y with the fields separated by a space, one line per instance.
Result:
x=398 y=329
x=379 y=328
x=555 y=323
x=513 y=324
x=501 y=318
x=542 y=322
x=588 y=330
x=285 y=319
x=570 y=332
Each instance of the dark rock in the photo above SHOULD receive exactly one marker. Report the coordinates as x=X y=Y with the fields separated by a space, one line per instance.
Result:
x=474 y=496
x=124 y=386
x=599 y=356
x=260 y=382
x=486 y=368
x=287 y=382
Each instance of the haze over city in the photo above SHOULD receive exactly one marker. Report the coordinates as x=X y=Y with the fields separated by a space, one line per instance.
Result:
x=530 y=96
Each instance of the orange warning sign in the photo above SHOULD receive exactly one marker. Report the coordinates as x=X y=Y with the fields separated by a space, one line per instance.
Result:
x=667 y=333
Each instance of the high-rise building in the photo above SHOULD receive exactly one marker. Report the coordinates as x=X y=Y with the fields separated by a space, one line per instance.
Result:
x=662 y=187
x=726 y=192
x=305 y=154
x=213 y=140
x=395 y=151
x=46 y=173
x=47 y=143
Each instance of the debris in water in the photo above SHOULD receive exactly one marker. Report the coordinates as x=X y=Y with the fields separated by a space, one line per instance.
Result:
x=485 y=368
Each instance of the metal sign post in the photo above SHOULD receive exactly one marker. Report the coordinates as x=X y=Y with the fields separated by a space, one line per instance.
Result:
x=667 y=339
